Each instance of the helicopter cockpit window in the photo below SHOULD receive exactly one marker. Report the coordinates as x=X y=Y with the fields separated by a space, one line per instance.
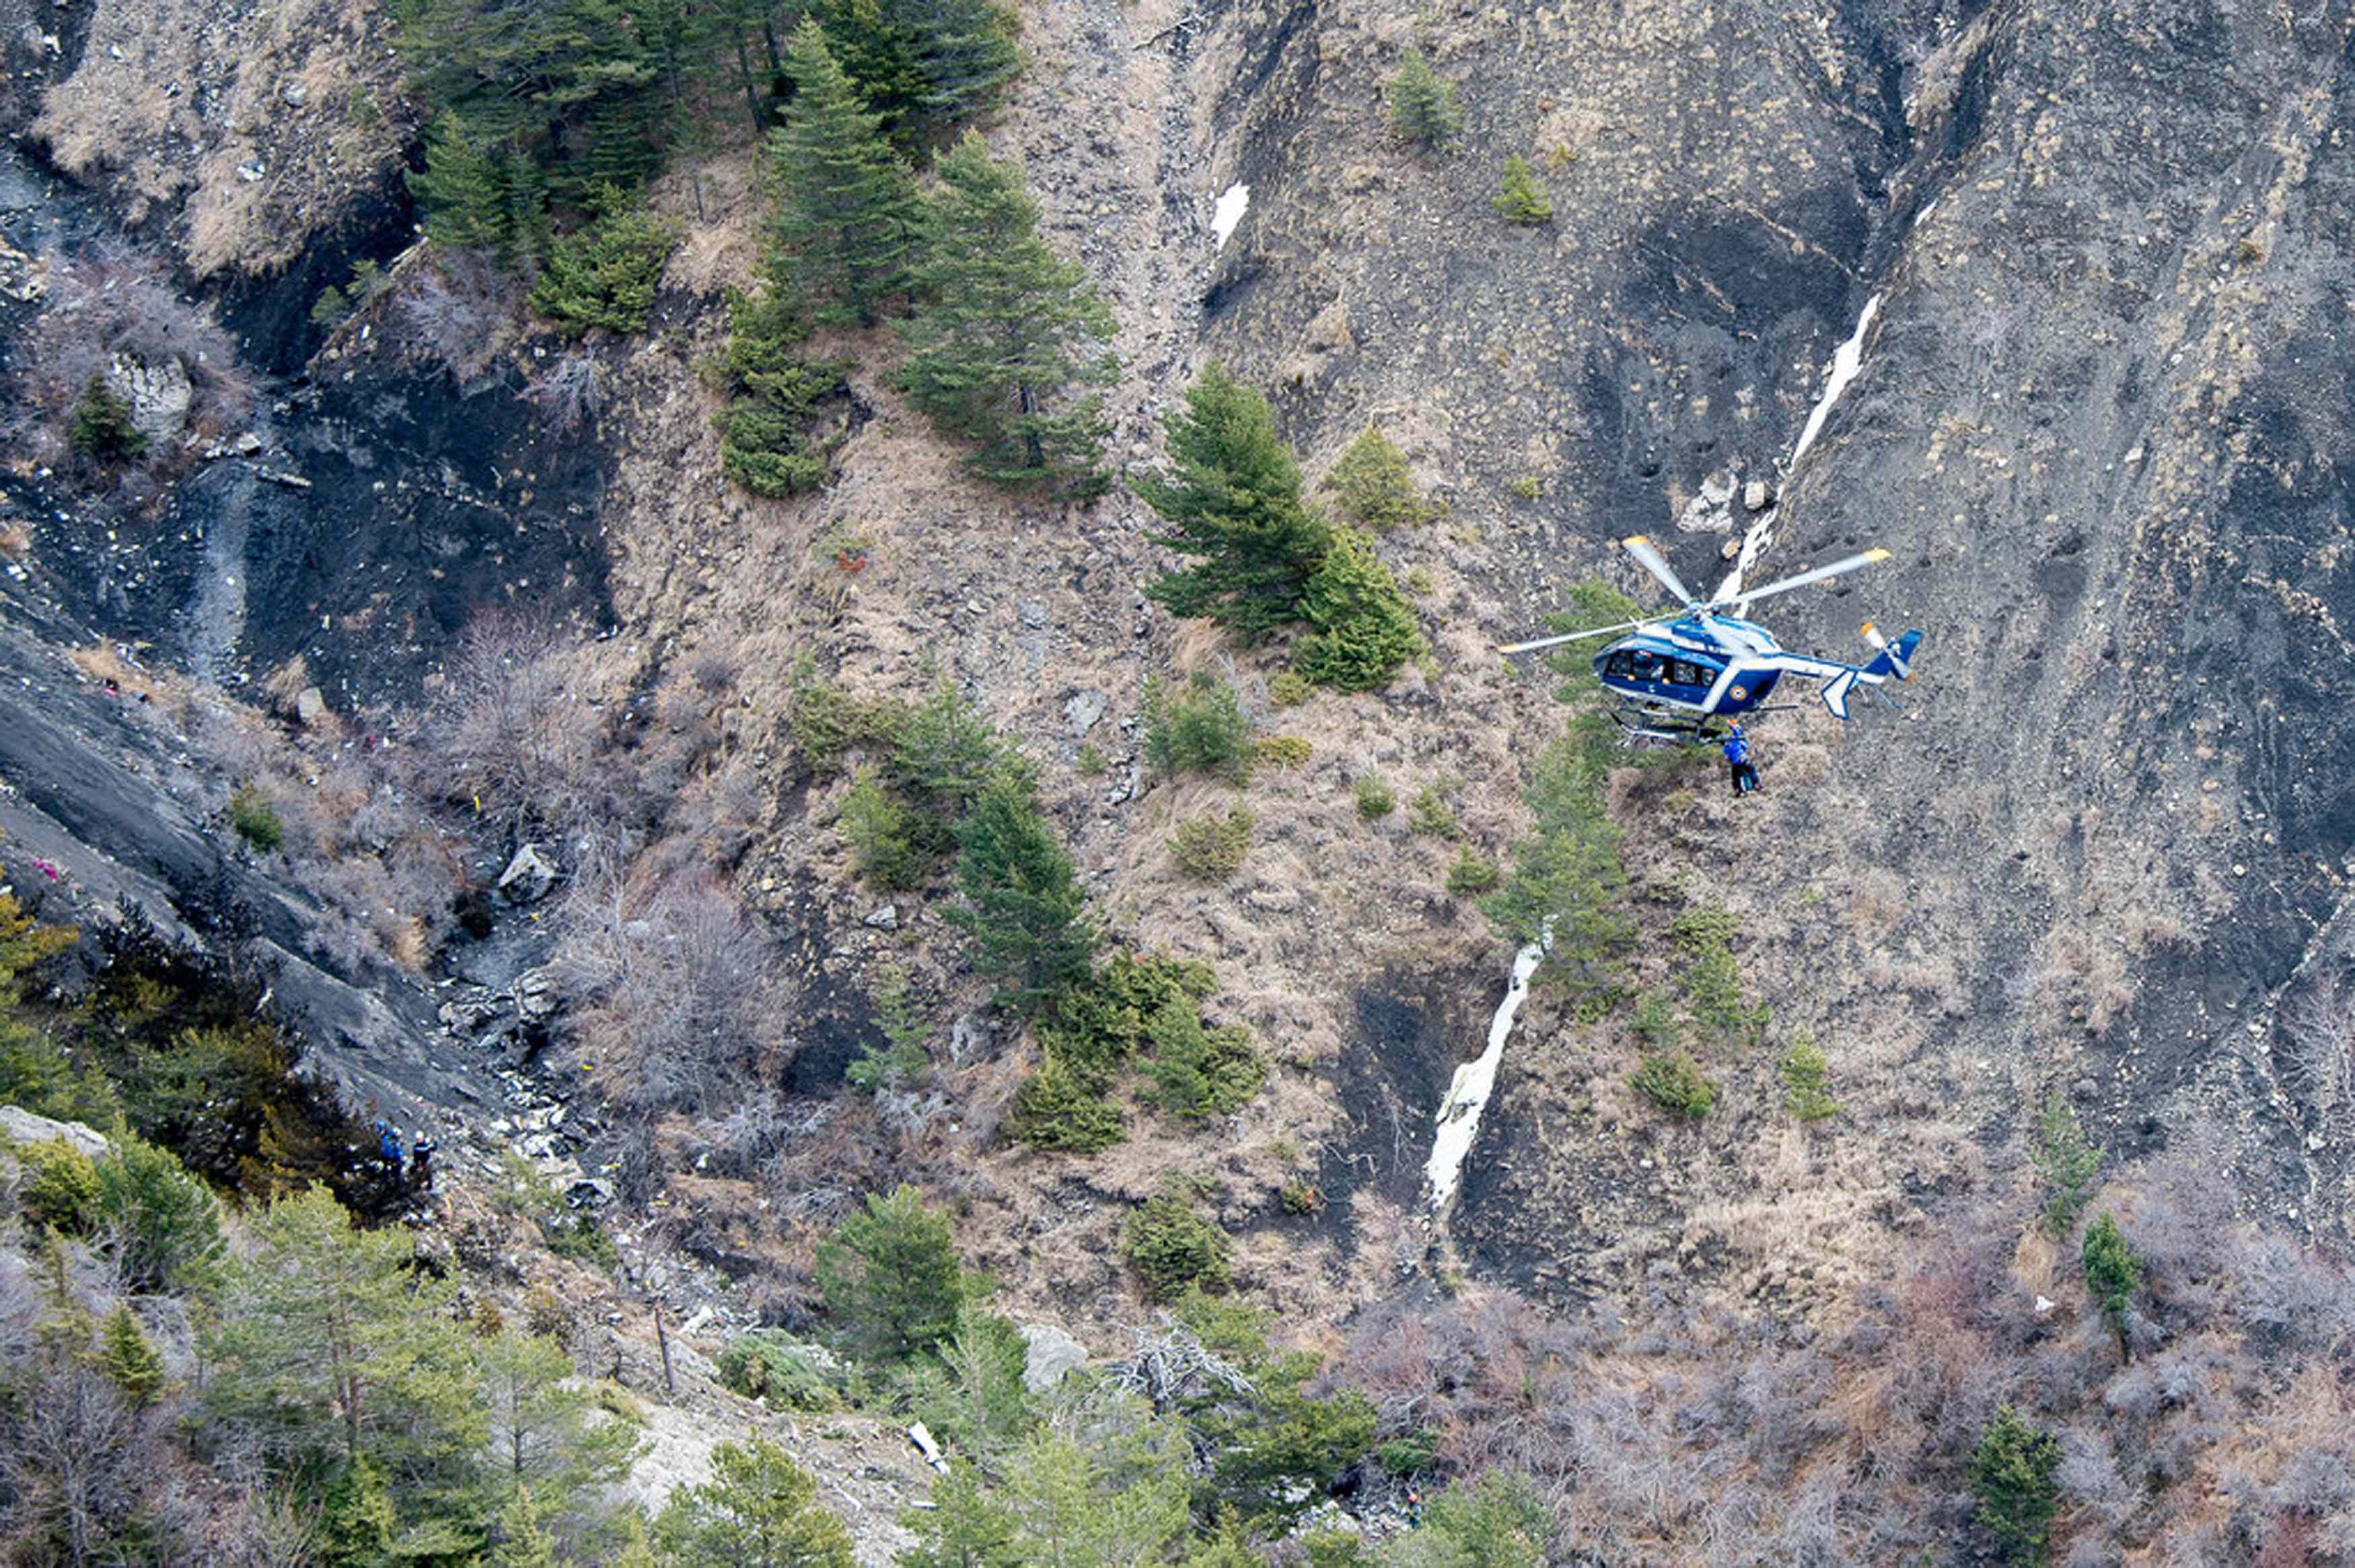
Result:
x=1620 y=665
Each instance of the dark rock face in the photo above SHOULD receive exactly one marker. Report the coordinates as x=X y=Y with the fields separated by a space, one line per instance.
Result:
x=2103 y=422
x=91 y=795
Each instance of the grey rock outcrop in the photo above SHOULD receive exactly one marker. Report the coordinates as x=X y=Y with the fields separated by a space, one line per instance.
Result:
x=527 y=877
x=1053 y=1355
x=159 y=394
x=18 y=1125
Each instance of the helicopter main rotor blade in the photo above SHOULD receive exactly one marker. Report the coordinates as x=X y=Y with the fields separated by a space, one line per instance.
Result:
x=1656 y=564
x=1821 y=573
x=1556 y=641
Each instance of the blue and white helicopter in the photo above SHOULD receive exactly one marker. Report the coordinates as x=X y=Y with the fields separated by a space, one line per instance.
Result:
x=1684 y=670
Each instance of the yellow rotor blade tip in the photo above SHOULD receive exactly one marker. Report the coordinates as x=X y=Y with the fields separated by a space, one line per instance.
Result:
x=1632 y=540
x=1876 y=555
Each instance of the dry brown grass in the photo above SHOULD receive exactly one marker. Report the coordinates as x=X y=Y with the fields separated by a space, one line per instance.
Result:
x=132 y=113
x=16 y=541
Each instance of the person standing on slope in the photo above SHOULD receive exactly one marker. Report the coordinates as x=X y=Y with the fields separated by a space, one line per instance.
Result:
x=1737 y=758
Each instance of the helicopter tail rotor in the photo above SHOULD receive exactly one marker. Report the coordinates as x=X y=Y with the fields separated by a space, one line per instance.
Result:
x=1891 y=658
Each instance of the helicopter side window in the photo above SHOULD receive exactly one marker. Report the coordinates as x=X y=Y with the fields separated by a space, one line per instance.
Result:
x=1687 y=673
x=1647 y=666
x=1619 y=666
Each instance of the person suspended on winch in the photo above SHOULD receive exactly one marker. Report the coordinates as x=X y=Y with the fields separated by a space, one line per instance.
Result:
x=1737 y=758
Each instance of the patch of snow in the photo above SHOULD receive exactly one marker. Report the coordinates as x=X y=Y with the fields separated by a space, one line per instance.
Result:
x=1474 y=1081
x=1846 y=363
x=1230 y=211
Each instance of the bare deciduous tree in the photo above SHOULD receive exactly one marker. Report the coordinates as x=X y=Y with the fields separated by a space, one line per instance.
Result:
x=673 y=980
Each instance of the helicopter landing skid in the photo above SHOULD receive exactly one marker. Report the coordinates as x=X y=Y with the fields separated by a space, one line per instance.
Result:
x=1678 y=726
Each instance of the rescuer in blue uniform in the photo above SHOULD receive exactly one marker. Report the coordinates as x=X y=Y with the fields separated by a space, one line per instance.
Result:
x=1737 y=757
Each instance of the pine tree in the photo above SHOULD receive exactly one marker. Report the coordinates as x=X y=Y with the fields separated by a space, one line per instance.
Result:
x=890 y=1279
x=766 y=441
x=1024 y=904
x=1004 y=327
x=760 y=1510
x=921 y=64
x=101 y=427
x=129 y=1359
x=463 y=198
x=2113 y=1272
x=1374 y=485
x=849 y=213
x=1234 y=501
x=1520 y=200
x=964 y=1528
x=162 y=1224
x=334 y=1343
x=2012 y=1475
x=1424 y=108
x=604 y=274
x=524 y=1540
x=542 y=1429
x=356 y=1518
x=1361 y=628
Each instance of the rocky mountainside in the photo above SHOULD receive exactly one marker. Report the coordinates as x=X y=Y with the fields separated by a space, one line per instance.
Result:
x=2095 y=264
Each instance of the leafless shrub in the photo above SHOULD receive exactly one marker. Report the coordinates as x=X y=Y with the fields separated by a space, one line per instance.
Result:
x=714 y=670
x=460 y=310
x=2316 y=1043
x=510 y=737
x=571 y=393
x=748 y=1133
x=78 y=1466
x=2284 y=1295
x=2090 y=1477
x=671 y=981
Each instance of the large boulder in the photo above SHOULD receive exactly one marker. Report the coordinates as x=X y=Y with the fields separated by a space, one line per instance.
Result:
x=159 y=394
x=20 y=1126
x=527 y=877
x=1053 y=1356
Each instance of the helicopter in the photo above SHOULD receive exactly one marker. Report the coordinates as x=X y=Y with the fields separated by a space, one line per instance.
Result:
x=1684 y=670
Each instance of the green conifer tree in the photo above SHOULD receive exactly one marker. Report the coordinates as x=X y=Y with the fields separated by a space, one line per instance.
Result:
x=460 y=189
x=760 y=1510
x=332 y=1343
x=101 y=426
x=2113 y=1273
x=357 y=1518
x=2012 y=1475
x=1361 y=627
x=1005 y=329
x=524 y=1540
x=1024 y=904
x=1234 y=501
x=162 y=1224
x=129 y=1359
x=890 y=1279
x=1520 y=200
x=604 y=274
x=543 y=1429
x=966 y=1527
x=847 y=215
x=922 y=64
x=1373 y=484
x=1424 y=108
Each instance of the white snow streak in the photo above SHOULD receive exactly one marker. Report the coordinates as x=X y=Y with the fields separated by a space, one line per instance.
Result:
x=1474 y=1081
x=1228 y=213
x=1846 y=363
